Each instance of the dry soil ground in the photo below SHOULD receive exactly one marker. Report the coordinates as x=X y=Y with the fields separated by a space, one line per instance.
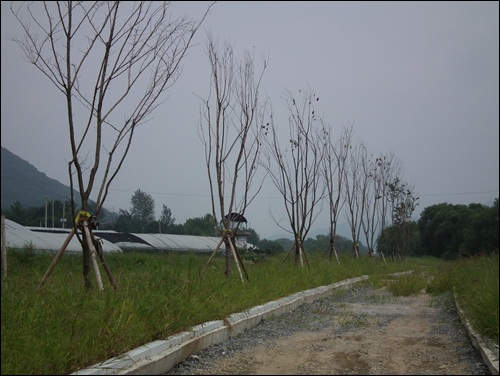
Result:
x=376 y=333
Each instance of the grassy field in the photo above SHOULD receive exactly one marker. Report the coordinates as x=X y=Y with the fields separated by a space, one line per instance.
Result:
x=61 y=327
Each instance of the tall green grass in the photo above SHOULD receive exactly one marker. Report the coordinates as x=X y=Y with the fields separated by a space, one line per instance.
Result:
x=475 y=281
x=61 y=327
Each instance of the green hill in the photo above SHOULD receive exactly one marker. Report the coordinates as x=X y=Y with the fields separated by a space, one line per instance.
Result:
x=21 y=181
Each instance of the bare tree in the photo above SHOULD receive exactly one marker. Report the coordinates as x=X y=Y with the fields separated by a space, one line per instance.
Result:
x=113 y=62
x=355 y=191
x=388 y=169
x=367 y=199
x=231 y=129
x=371 y=219
x=296 y=169
x=334 y=164
x=403 y=202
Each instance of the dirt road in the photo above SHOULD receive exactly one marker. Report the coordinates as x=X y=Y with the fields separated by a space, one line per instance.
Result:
x=361 y=332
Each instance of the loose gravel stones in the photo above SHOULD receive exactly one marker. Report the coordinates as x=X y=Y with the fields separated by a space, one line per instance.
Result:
x=349 y=332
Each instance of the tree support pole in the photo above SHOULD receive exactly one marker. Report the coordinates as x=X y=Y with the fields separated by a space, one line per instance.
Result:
x=303 y=255
x=288 y=253
x=4 y=250
x=213 y=254
x=242 y=265
x=238 y=260
x=105 y=265
x=336 y=254
x=93 y=254
x=235 y=257
x=58 y=256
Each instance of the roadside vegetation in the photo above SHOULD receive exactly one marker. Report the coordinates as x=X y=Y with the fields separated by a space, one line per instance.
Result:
x=62 y=327
x=66 y=325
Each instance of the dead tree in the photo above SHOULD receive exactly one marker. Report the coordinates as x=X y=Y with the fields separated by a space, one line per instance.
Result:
x=295 y=169
x=231 y=127
x=113 y=62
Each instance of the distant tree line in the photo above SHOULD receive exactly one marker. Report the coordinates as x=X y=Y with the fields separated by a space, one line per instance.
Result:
x=443 y=230
x=451 y=231
x=446 y=231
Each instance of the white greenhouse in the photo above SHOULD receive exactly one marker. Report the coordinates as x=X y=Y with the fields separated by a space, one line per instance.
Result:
x=42 y=239
x=52 y=239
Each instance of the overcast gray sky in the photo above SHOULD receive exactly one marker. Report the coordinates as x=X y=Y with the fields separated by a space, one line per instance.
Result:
x=417 y=79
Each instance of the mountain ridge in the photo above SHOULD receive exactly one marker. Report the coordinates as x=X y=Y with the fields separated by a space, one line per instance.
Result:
x=23 y=182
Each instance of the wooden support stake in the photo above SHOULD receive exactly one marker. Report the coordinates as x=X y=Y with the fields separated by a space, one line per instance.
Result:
x=242 y=265
x=332 y=247
x=58 y=255
x=93 y=253
x=106 y=267
x=305 y=256
x=213 y=254
x=336 y=254
x=235 y=257
x=288 y=253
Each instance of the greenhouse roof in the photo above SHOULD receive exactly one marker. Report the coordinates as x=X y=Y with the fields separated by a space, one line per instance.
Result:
x=52 y=239
x=42 y=239
x=181 y=242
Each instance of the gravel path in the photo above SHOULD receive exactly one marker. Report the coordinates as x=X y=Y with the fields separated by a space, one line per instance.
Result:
x=359 y=330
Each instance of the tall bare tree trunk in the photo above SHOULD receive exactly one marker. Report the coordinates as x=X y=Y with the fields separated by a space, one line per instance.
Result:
x=113 y=61
x=230 y=129
x=295 y=167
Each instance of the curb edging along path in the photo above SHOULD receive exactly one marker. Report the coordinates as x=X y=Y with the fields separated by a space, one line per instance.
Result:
x=488 y=353
x=158 y=357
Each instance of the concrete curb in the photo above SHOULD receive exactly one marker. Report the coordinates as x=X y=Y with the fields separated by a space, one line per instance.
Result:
x=488 y=352
x=158 y=357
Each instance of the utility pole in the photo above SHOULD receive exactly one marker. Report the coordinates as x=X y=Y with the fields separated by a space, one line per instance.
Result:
x=45 y=211
x=4 y=250
x=52 y=213
x=63 y=219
